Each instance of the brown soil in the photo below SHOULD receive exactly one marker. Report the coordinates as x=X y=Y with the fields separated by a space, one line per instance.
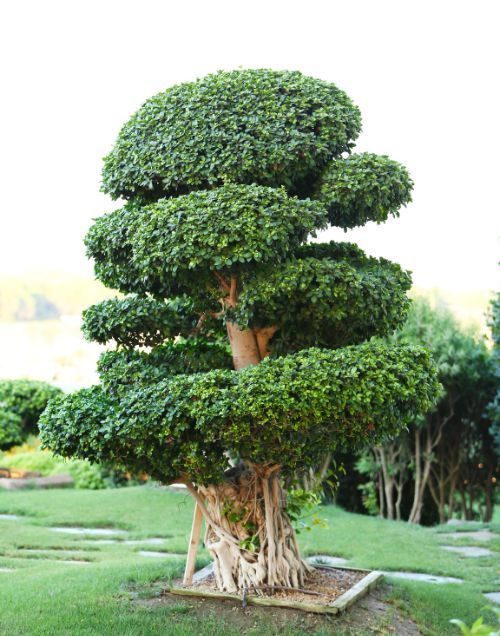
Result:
x=324 y=585
x=372 y=614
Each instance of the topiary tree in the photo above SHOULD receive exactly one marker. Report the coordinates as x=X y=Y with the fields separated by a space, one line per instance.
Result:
x=259 y=362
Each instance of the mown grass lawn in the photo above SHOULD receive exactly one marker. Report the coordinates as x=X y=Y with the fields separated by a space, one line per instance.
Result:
x=43 y=594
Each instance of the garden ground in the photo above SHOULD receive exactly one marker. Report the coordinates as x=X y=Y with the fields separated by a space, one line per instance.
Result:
x=57 y=582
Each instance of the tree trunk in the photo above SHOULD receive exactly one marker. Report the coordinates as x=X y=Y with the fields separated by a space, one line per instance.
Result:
x=315 y=476
x=244 y=346
x=388 y=483
x=422 y=472
x=488 y=497
x=451 y=496
x=263 y=336
x=437 y=488
x=381 y=496
x=464 y=502
x=248 y=532
x=418 y=477
x=399 y=499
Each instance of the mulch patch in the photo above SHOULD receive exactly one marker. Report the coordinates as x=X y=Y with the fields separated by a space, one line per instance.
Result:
x=324 y=585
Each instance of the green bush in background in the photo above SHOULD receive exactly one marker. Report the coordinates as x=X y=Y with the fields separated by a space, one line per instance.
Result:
x=85 y=474
x=21 y=403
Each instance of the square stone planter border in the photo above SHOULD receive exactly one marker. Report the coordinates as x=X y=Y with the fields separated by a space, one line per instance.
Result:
x=340 y=604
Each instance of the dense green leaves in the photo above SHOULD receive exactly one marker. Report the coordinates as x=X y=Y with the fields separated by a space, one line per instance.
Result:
x=456 y=352
x=249 y=126
x=230 y=229
x=363 y=187
x=108 y=243
x=144 y=431
x=210 y=169
x=317 y=399
x=494 y=406
x=286 y=410
x=124 y=367
x=11 y=432
x=138 y=320
x=328 y=301
x=26 y=399
x=175 y=245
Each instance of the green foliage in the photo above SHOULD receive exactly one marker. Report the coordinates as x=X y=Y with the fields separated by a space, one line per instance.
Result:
x=249 y=126
x=225 y=229
x=326 y=302
x=212 y=170
x=138 y=320
x=479 y=627
x=85 y=474
x=123 y=367
x=174 y=245
x=292 y=409
x=456 y=433
x=301 y=506
x=145 y=430
x=457 y=352
x=26 y=399
x=335 y=251
x=363 y=187
x=366 y=464
x=108 y=243
x=11 y=432
x=494 y=406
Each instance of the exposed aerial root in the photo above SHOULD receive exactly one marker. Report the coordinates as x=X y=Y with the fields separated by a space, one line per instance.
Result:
x=248 y=532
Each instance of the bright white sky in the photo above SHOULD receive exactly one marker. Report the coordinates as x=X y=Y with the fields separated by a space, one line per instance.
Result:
x=425 y=75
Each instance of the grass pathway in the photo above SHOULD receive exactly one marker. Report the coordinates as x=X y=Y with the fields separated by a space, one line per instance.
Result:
x=40 y=595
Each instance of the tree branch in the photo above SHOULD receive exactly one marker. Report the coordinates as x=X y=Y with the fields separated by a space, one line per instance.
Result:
x=222 y=281
x=232 y=291
x=263 y=336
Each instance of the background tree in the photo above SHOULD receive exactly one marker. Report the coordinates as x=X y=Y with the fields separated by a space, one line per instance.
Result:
x=494 y=406
x=226 y=178
x=445 y=461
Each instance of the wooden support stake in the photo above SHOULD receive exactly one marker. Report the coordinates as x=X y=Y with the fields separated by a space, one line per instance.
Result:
x=193 y=545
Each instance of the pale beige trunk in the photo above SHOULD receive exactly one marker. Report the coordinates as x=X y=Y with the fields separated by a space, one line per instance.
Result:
x=248 y=532
x=249 y=505
x=244 y=346
x=263 y=336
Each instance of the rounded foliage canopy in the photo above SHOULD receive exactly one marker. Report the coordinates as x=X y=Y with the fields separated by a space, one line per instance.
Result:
x=172 y=246
x=122 y=368
x=138 y=320
x=331 y=295
x=26 y=399
x=363 y=187
x=11 y=432
x=288 y=410
x=249 y=126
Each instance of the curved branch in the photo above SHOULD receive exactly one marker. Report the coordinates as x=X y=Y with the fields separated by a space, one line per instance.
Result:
x=222 y=281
